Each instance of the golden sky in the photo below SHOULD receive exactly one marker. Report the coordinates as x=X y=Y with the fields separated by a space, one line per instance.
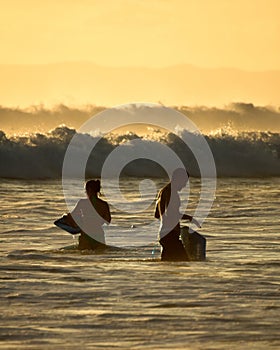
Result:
x=242 y=34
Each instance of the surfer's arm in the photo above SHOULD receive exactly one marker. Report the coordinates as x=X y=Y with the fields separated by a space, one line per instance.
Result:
x=104 y=211
x=187 y=217
x=191 y=218
x=107 y=214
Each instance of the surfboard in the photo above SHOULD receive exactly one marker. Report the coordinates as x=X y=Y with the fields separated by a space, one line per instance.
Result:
x=194 y=244
x=67 y=225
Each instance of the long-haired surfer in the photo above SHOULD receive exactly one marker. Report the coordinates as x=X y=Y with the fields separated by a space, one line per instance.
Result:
x=91 y=213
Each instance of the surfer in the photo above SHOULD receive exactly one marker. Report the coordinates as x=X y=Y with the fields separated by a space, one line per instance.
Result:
x=168 y=211
x=92 y=212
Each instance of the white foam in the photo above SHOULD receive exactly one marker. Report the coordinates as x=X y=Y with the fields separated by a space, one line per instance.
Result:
x=40 y=156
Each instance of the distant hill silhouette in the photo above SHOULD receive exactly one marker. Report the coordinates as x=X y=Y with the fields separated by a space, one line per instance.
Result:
x=82 y=82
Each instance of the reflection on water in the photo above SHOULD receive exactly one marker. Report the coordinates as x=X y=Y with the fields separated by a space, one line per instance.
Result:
x=127 y=298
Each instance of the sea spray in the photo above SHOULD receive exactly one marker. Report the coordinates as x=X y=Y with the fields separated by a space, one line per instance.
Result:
x=39 y=156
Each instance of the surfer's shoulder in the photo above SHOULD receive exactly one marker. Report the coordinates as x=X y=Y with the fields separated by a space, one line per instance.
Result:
x=102 y=204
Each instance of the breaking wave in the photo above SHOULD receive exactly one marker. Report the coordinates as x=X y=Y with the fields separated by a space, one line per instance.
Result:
x=40 y=156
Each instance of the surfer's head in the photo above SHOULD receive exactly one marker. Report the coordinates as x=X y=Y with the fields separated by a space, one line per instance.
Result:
x=179 y=179
x=92 y=187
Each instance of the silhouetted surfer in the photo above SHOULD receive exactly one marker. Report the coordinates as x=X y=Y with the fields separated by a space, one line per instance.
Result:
x=92 y=212
x=168 y=211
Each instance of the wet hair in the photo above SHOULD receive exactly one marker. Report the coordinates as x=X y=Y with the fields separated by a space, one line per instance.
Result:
x=93 y=186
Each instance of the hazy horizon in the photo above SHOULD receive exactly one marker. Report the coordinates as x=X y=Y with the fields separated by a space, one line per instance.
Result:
x=231 y=118
x=82 y=83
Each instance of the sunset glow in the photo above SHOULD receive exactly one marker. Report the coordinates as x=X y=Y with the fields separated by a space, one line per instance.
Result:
x=156 y=33
x=113 y=52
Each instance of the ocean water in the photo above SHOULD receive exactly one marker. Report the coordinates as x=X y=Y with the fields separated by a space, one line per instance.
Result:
x=127 y=298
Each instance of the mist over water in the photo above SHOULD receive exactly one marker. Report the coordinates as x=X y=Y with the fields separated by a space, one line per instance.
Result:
x=240 y=116
x=244 y=139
